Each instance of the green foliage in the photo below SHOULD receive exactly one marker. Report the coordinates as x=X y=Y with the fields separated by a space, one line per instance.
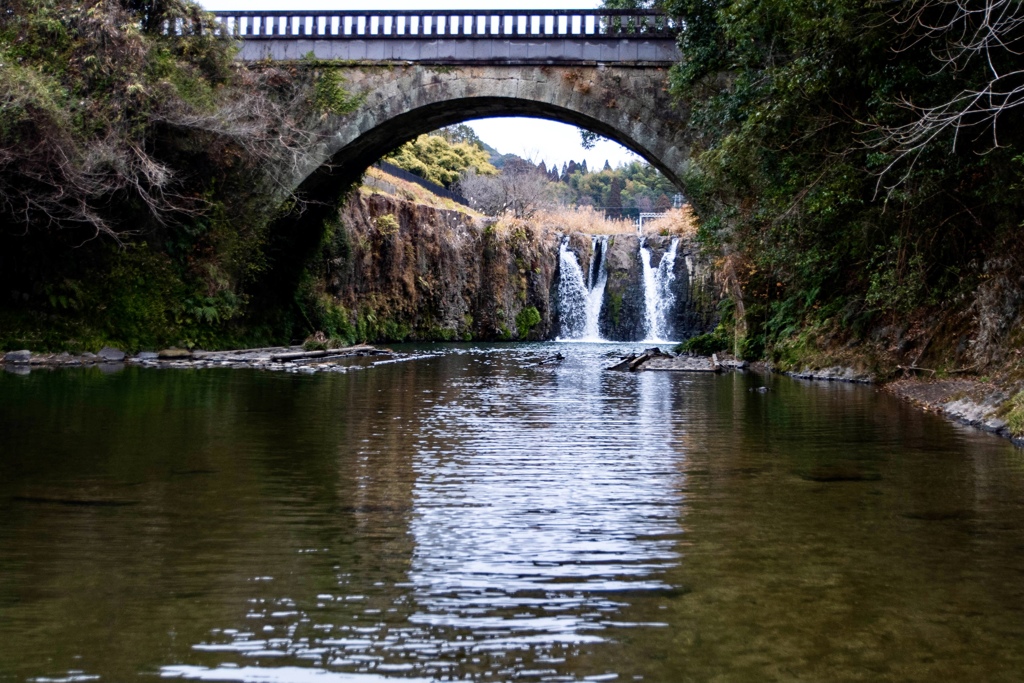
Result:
x=707 y=344
x=387 y=225
x=630 y=189
x=788 y=102
x=435 y=158
x=330 y=97
x=98 y=139
x=1015 y=414
x=614 y=300
x=526 y=320
x=588 y=138
x=461 y=133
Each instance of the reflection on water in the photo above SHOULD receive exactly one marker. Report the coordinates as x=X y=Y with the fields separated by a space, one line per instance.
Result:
x=526 y=523
x=475 y=516
x=531 y=518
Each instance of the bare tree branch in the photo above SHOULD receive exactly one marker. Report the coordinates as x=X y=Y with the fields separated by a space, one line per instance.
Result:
x=959 y=33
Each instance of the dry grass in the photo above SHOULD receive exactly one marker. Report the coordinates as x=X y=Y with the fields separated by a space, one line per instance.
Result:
x=681 y=222
x=589 y=221
x=583 y=219
x=377 y=181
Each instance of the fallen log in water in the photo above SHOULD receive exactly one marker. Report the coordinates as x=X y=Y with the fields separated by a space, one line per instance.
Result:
x=633 y=362
x=360 y=350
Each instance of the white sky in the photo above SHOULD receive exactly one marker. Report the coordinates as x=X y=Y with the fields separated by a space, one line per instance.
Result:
x=534 y=139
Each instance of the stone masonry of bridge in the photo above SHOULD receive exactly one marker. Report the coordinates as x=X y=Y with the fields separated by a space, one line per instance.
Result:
x=606 y=71
x=631 y=106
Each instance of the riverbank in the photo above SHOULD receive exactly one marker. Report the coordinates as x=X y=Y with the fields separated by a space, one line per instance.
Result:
x=985 y=405
x=991 y=405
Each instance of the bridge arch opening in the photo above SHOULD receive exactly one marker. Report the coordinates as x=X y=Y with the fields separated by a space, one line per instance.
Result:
x=351 y=160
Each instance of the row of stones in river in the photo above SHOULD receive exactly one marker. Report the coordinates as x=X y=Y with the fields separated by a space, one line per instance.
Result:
x=282 y=359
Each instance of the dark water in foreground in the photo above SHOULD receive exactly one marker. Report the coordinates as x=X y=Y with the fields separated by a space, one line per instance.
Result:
x=472 y=517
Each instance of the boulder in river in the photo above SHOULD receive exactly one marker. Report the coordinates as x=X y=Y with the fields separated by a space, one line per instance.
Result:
x=23 y=356
x=174 y=354
x=111 y=355
x=684 y=364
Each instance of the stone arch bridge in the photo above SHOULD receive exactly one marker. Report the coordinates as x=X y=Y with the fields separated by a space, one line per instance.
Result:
x=602 y=70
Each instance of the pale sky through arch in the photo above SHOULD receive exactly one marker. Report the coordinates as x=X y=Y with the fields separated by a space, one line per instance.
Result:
x=535 y=139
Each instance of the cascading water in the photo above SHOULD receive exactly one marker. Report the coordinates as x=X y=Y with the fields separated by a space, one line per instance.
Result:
x=598 y=280
x=580 y=298
x=572 y=294
x=658 y=295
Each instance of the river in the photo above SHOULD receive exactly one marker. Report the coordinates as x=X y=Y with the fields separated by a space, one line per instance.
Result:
x=472 y=515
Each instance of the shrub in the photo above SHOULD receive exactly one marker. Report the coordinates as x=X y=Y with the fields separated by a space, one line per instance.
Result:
x=706 y=344
x=526 y=320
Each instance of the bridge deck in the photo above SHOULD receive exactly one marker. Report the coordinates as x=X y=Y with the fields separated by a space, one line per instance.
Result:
x=456 y=37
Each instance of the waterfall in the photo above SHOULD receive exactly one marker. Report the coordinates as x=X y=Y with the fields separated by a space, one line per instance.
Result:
x=572 y=294
x=598 y=279
x=658 y=296
x=580 y=298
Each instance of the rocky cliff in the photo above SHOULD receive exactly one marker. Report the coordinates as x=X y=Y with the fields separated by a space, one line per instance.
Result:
x=694 y=288
x=395 y=270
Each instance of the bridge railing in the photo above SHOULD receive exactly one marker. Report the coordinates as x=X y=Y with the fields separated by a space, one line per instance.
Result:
x=441 y=24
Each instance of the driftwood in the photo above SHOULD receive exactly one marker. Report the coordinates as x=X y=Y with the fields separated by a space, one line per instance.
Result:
x=624 y=364
x=632 y=362
x=551 y=360
x=346 y=351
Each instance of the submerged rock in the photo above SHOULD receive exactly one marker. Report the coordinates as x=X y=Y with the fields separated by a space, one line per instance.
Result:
x=834 y=374
x=840 y=472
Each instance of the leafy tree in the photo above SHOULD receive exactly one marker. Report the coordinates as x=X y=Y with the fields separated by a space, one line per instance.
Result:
x=614 y=206
x=83 y=94
x=436 y=159
x=798 y=111
x=588 y=138
x=631 y=4
x=459 y=133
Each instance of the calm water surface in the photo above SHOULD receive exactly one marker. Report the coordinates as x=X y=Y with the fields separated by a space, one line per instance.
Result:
x=474 y=516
